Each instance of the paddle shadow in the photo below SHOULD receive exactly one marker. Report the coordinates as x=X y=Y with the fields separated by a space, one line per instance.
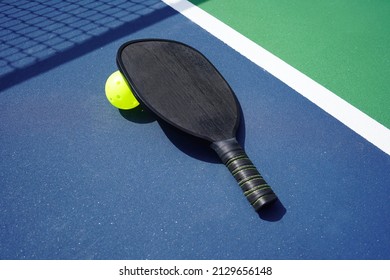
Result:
x=200 y=149
x=195 y=147
x=190 y=145
x=273 y=213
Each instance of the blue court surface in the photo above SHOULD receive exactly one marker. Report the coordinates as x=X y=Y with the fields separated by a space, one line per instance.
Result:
x=80 y=179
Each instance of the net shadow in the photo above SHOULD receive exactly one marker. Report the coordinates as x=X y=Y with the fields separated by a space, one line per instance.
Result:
x=39 y=35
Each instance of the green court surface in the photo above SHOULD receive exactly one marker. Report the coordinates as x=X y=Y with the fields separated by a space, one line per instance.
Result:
x=348 y=52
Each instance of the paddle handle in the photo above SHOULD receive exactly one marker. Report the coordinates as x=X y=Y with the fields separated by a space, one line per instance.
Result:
x=255 y=188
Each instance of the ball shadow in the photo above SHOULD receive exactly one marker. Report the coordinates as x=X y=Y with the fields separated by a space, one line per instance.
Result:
x=138 y=115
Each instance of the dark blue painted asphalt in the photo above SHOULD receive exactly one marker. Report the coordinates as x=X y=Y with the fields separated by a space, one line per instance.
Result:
x=81 y=180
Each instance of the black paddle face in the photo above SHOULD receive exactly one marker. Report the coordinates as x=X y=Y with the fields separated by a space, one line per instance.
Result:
x=181 y=86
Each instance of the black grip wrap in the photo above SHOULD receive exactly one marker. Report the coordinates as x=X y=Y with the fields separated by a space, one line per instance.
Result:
x=255 y=188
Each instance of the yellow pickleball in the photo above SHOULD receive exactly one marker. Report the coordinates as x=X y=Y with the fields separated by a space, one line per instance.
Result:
x=119 y=93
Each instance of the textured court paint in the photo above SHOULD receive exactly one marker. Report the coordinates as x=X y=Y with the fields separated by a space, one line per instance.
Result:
x=347 y=53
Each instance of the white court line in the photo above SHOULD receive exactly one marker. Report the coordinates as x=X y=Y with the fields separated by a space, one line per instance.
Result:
x=352 y=117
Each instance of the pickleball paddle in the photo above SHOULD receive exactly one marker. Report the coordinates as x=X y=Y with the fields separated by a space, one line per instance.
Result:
x=183 y=88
